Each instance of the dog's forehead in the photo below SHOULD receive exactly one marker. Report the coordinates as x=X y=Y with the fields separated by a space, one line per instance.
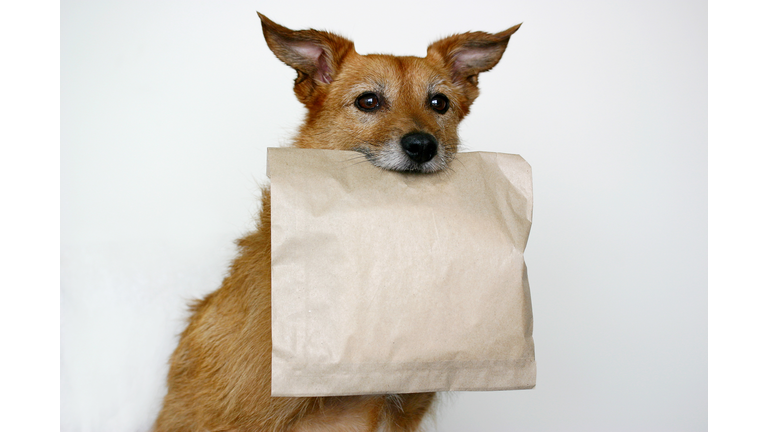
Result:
x=383 y=71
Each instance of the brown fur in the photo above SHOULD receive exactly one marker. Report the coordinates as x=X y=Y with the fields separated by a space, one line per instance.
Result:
x=219 y=378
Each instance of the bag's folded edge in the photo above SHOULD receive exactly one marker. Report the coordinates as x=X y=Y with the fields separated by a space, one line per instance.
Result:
x=313 y=381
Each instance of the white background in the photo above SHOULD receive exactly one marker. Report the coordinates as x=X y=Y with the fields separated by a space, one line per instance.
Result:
x=167 y=109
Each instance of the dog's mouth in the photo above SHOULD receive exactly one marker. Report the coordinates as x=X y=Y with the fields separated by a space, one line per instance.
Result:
x=415 y=152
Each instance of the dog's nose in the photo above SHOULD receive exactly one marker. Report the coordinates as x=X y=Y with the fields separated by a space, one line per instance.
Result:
x=420 y=147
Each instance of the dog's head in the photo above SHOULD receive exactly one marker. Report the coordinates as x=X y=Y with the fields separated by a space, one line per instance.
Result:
x=402 y=113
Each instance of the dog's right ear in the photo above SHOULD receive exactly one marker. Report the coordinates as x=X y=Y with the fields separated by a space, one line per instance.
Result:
x=467 y=55
x=316 y=55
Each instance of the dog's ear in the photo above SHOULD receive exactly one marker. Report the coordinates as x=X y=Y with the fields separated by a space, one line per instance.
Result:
x=466 y=55
x=316 y=55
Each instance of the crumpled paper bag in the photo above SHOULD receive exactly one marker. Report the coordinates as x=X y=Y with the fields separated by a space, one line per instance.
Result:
x=390 y=282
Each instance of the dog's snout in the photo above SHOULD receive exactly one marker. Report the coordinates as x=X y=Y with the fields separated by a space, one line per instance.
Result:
x=420 y=147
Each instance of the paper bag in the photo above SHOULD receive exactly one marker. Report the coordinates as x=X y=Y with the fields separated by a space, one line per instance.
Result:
x=389 y=282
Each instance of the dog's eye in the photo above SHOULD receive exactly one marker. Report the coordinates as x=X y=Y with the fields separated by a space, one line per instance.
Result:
x=367 y=102
x=439 y=103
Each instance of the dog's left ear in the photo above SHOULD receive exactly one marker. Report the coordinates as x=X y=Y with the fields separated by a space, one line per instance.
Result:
x=468 y=54
x=316 y=55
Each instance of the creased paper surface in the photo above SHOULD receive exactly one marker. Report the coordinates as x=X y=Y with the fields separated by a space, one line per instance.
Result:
x=399 y=282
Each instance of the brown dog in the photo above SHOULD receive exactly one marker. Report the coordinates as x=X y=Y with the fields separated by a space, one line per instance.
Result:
x=402 y=113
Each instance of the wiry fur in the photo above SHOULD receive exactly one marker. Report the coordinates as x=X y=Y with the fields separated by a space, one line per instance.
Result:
x=219 y=379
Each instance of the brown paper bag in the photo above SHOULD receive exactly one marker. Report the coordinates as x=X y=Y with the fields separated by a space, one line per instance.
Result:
x=399 y=282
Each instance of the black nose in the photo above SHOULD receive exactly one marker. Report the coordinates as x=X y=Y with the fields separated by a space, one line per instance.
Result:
x=420 y=147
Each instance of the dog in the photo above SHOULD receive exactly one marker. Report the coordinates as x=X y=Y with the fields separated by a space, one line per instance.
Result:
x=402 y=114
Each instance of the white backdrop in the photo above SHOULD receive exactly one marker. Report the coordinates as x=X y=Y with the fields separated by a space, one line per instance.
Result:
x=167 y=109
